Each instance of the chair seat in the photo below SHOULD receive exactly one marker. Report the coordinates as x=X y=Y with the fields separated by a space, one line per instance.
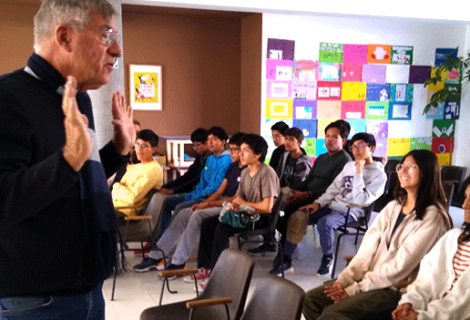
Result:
x=178 y=310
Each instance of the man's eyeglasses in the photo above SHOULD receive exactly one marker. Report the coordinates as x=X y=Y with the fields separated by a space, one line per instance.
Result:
x=110 y=36
x=142 y=146
x=358 y=146
x=409 y=168
x=233 y=150
x=197 y=145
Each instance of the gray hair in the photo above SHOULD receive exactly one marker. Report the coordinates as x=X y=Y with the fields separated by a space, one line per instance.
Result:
x=71 y=12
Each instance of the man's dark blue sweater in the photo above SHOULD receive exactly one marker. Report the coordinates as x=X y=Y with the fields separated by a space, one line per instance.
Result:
x=57 y=226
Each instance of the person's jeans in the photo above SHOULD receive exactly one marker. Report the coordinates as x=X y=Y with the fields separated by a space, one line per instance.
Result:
x=88 y=306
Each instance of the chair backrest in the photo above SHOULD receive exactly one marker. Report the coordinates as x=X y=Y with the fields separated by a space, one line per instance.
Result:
x=387 y=196
x=139 y=230
x=449 y=188
x=455 y=174
x=275 y=298
x=231 y=277
x=391 y=166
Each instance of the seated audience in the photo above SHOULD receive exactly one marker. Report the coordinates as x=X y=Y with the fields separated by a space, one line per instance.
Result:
x=394 y=245
x=185 y=228
x=132 y=160
x=440 y=290
x=360 y=182
x=139 y=178
x=211 y=178
x=278 y=130
x=188 y=181
x=258 y=189
x=325 y=169
x=295 y=164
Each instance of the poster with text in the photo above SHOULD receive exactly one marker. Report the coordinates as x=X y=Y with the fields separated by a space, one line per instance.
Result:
x=352 y=72
x=372 y=73
x=377 y=110
x=279 y=90
x=398 y=146
x=308 y=127
x=331 y=52
x=305 y=109
x=424 y=143
x=280 y=70
x=304 y=90
x=443 y=128
x=378 y=92
x=354 y=91
x=328 y=109
x=280 y=49
x=379 y=53
x=146 y=87
x=329 y=90
x=279 y=109
x=355 y=53
x=353 y=110
x=402 y=55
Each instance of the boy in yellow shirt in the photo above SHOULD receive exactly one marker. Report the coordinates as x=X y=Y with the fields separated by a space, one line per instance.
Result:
x=139 y=178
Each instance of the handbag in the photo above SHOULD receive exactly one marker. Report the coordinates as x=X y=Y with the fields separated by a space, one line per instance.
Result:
x=236 y=219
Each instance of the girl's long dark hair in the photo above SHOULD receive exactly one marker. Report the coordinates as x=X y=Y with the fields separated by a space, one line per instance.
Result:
x=430 y=190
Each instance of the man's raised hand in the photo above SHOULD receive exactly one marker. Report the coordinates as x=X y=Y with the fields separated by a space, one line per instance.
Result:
x=78 y=145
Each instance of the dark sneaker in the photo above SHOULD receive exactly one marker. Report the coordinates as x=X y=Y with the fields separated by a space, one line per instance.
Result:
x=174 y=267
x=147 y=264
x=287 y=267
x=262 y=249
x=325 y=267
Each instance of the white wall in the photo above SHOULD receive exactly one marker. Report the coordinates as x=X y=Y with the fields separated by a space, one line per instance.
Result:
x=309 y=30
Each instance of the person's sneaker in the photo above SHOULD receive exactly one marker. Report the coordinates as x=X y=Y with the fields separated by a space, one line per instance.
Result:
x=262 y=249
x=202 y=274
x=161 y=265
x=147 y=264
x=325 y=267
x=174 y=267
x=287 y=267
x=202 y=284
x=147 y=248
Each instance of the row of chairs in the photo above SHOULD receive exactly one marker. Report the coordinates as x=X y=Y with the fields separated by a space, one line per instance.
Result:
x=226 y=291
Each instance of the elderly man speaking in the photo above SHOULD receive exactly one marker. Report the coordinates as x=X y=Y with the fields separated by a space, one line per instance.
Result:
x=58 y=226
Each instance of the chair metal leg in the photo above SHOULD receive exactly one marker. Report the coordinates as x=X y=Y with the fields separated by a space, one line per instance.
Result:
x=165 y=281
x=114 y=282
x=282 y=258
x=335 y=258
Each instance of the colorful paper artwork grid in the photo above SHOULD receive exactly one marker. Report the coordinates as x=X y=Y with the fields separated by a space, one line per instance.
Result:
x=366 y=85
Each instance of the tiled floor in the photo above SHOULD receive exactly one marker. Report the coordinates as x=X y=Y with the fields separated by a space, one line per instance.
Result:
x=137 y=291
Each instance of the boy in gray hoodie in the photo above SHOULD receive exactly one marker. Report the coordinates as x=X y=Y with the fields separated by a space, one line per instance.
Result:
x=360 y=182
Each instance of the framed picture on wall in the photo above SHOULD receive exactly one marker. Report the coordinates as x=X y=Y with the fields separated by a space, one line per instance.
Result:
x=145 y=87
x=400 y=111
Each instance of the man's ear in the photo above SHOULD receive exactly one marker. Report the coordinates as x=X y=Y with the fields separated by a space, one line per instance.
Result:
x=63 y=36
x=372 y=148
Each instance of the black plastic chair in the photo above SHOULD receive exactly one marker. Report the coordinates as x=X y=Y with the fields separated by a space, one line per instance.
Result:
x=449 y=188
x=360 y=227
x=275 y=298
x=229 y=281
x=455 y=174
x=142 y=227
